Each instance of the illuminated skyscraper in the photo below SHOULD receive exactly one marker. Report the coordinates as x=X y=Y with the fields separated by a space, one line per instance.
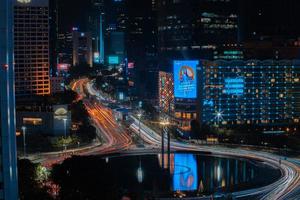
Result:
x=82 y=48
x=8 y=157
x=31 y=47
x=195 y=29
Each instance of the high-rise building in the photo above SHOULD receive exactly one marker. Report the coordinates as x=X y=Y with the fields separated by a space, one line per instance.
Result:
x=53 y=35
x=8 y=158
x=82 y=48
x=194 y=29
x=253 y=92
x=263 y=94
x=141 y=44
x=65 y=48
x=96 y=27
x=31 y=47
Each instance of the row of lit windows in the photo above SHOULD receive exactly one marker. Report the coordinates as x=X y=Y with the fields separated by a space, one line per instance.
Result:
x=184 y=115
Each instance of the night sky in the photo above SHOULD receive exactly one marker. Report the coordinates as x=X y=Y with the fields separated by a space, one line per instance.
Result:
x=271 y=17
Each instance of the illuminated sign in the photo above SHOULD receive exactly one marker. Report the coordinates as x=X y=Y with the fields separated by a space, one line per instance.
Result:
x=60 y=112
x=130 y=65
x=185 y=79
x=24 y=1
x=185 y=177
x=113 y=60
x=207 y=102
x=234 y=86
x=96 y=57
x=63 y=67
x=32 y=121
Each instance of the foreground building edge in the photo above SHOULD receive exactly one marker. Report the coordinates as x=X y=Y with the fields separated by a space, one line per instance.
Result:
x=8 y=167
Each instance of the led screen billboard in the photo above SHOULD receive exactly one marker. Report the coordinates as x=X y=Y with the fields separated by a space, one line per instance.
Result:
x=96 y=57
x=185 y=78
x=113 y=60
x=185 y=177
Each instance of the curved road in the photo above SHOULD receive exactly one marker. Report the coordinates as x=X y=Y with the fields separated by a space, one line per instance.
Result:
x=285 y=188
x=118 y=140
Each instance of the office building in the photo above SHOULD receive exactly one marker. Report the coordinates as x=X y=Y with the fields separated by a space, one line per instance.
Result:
x=263 y=94
x=194 y=29
x=141 y=45
x=65 y=48
x=166 y=92
x=259 y=93
x=8 y=157
x=82 y=48
x=31 y=47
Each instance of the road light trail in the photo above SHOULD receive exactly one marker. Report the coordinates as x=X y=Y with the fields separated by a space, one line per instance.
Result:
x=286 y=187
x=118 y=140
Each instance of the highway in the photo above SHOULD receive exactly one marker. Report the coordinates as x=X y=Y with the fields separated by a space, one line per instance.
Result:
x=118 y=140
x=115 y=138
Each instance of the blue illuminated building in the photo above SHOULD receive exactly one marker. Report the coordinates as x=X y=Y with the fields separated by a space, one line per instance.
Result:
x=263 y=93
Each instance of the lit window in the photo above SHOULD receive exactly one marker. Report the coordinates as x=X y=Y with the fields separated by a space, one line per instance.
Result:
x=32 y=121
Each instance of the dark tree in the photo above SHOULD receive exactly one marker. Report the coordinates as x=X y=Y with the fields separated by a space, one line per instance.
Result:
x=29 y=187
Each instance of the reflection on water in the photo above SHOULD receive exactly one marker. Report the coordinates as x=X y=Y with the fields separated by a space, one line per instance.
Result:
x=189 y=173
x=185 y=175
x=204 y=173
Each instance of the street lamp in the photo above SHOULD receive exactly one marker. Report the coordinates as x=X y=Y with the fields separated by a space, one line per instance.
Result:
x=164 y=123
x=65 y=132
x=65 y=127
x=140 y=116
x=24 y=140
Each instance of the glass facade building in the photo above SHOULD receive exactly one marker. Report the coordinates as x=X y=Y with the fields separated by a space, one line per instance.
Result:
x=31 y=47
x=253 y=92
x=8 y=153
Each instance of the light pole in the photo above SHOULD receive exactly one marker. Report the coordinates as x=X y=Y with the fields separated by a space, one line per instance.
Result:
x=24 y=140
x=164 y=123
x=140 y=116
x=65 y=132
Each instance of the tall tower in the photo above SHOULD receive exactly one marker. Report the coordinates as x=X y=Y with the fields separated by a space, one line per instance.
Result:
x=101 y=40
x=8 y=154
x=31 y=47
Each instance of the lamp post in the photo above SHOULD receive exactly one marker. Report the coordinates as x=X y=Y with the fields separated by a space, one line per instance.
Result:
x=164 y=123
x=140 y=116
x=65 y=132
x=24 y=140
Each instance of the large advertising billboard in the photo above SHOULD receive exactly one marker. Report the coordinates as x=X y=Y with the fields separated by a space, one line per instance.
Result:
x=185 y=78
x=113 y=60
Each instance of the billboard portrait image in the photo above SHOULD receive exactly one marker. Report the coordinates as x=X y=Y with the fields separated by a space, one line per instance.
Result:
x=185 y=78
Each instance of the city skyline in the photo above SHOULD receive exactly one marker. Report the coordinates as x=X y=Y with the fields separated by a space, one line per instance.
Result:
x=149 y=99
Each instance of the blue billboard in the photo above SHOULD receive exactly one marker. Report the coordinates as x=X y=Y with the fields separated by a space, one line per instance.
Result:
x=185 y=177
x=96 y=57
x=113 y=60
x=185 y=78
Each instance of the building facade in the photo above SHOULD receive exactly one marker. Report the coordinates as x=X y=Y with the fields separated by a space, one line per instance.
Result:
x=194 y=29
x=65 y=48
x=82 y=48
x=259 y=93
x=253 y=92
x=31 y=47
x=8 y=158
x=166 y=92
